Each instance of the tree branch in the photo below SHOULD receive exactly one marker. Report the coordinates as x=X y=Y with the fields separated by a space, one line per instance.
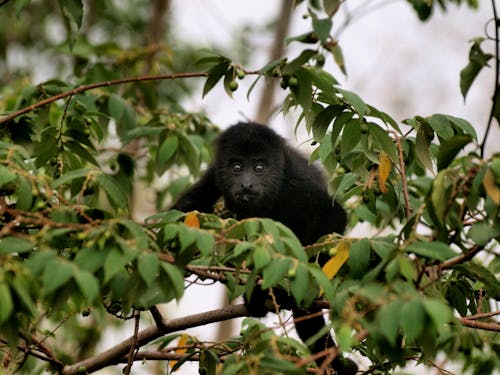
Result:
x=495 y=327
x=496 y=91
x=92 y=86
x=113 y=355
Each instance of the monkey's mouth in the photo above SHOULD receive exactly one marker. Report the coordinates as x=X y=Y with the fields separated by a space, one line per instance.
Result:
x=246 y=196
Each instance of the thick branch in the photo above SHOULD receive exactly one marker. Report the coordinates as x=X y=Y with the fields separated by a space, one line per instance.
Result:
x=114 y=354
x=264 y=109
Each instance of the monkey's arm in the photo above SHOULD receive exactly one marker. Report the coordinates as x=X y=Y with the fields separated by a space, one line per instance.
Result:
x=201 y=196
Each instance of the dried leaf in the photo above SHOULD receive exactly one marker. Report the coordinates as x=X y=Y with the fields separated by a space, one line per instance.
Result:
x=333 y=265
x=384 y=169
x=491 y=188
x=191 y=220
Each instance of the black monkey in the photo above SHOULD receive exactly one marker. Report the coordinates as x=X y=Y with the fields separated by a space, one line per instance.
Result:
x=259 y=175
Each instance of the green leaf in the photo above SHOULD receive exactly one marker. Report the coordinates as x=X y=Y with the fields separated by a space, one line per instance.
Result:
x=57 y=273
x=47 y=148
x=433 y=250
x=79 y=150
x=113 y=191
x=477 y=272
x=90 y=259
x=478 y=59
x=440 y=195
x=142 y=131
x=331 y=6
x=385 y=143
x=355 y=101
x=261 y=258
x=300 y=284
x=205 y=243
x=116 y=107
x=441 y=125
x=176 y=278
x=275 y=272
x=278 y=366
x=87 y=284
x=75 y=9
x=322 y=80
x=303 y=91
x=322 y=28
x=323 y=120
x=412 y=319
x=22 y=288
x=463 y=125
x=115 y=262
x=24 y=194
x=439 y=311
x=359 y=257
x=137 y=231
x=482 y=233
x=351 y=135
x=449 y=148
x=9 y=245
x=293 y=66
x=323 y=282
x=6 y=305
x=338 y=57
x=6 y=175
x=388 y=318
x=423 y=151
x=66 y=178
x=374 y=112
x=214 y=75
x=167 y=149
x=148 y=266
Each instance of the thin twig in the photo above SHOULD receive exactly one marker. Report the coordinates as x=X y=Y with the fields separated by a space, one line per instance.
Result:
x=135 y=346
x=496 y=91
x=483 y=315
x=495 y=327
x=403 y=176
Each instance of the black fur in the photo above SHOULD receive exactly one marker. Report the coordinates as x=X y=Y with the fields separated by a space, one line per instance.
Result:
x=259 y=175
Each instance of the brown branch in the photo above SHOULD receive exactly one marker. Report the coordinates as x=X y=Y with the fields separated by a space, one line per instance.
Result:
x=267 y=98
x=483 y=315
x=92 y=86
x=403 y=176
x=134 y=347
x=114 y=354
x=495 y=327
x=461 y=258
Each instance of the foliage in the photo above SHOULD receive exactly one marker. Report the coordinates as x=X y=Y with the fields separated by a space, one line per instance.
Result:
x=74 y=260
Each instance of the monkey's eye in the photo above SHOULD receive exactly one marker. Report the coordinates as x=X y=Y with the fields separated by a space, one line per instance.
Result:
x=237 y=168
x=258 y=168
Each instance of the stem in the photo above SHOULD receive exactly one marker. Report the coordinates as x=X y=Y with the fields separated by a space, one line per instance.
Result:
x=497 y=74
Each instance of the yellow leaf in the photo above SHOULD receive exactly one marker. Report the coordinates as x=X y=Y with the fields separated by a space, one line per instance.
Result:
x=491 y=188
x=384 y=168
x=182 y=348
x=191 y=219
x=333 y=265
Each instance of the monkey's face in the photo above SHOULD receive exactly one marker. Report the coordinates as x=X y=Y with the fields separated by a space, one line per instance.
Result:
x=249 y=184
